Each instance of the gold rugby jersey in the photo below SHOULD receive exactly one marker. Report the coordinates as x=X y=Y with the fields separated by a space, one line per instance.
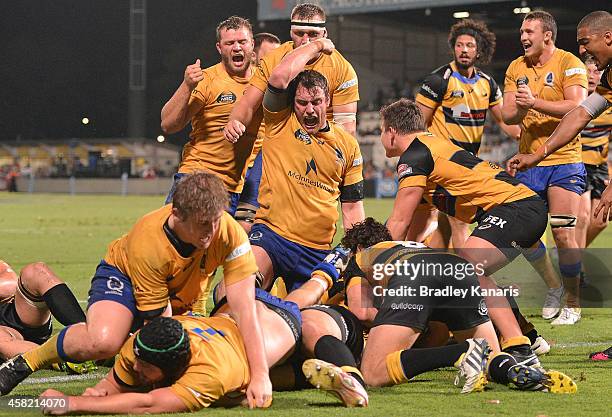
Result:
x=595 y=138
x=208 y=150
x=562 y=70
x=604 y=88
x=159 y=273
x=218 y=364
x=302 y=176
x=456 y=181
x=460 y=104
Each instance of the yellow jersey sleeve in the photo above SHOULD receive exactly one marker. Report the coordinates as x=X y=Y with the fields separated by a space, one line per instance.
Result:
x=238 y=259
x=604 y=88
x=209 y=390
x=347 y=89
x=124 y=363
x=511 y=77
x=415 y=165
x=354 y=171
x=574 y=72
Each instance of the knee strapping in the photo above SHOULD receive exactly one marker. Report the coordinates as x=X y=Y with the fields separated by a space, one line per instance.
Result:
x=33 y=300
x=562 y=220
x=244 y=214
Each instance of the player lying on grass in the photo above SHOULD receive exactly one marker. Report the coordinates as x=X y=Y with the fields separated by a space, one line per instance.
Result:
x=26 y=307
x=186 y=363
x=406 y=302
x=165 y=263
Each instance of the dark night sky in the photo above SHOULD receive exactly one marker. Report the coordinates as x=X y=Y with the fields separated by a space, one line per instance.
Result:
x=64 y=59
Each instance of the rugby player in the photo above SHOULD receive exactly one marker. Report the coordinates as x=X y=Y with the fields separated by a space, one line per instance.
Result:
x=164 y=265
x=594 y=139
x=310 y=163
x=307 y=25
x=540 y=88
x=247 y=204
x=205 y=98
x=187 y=363
x=25 y=315
x=389 y=356
x=511 y=218
x=455 y=98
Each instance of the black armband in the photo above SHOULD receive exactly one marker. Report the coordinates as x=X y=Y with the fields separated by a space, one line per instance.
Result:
x=353 y=192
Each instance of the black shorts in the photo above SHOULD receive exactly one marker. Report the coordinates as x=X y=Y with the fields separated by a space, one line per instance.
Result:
x=515 y=226
x=597 y=175
x=351 y=329
x=9 y=318
x=451 y=297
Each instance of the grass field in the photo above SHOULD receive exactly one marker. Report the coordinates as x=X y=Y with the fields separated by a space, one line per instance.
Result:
x=70 y=233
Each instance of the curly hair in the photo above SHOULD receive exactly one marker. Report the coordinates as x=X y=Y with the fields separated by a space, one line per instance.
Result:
x=200 y=196
x=485 y=39
x=164 y=342
x=365 y=234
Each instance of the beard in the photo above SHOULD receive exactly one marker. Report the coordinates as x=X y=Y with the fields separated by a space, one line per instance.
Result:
x=463 y=66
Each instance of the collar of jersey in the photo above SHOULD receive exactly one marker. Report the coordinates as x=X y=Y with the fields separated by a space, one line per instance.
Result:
x=463 y=79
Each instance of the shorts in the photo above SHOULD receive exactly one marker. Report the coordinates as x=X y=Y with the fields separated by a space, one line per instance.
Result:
x=250 y=191
x=10 y=318
x=597 y=175
x=452 y=298
x=110 y=284
x=233 y=197
x=288 y=310
x=513 y=226
x=571 y=177
x=290 y=260
x=351 y=329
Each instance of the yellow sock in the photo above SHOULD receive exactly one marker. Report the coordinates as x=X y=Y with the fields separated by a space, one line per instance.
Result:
x=394 y=368
x=44 y=355
x=515 y=341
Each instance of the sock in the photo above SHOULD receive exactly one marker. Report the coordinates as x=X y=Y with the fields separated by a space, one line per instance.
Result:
x=499 y=366
x=532 y=335
x=44 y=355
x=63 y=305
x=333 y=350
x=413 y=362
x=571 y=282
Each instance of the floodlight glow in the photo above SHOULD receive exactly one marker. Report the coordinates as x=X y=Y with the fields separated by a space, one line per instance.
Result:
x=85 y=120
x=161 y=139
x=521 y=10
x=461 y=15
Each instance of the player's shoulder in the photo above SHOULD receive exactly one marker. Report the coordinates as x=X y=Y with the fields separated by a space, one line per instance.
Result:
x=420 y=149
x=484 y=75
x=443 y=72
x=568 y=60
x=214 y=71
x=342 y=135
x=274 y=56
x=517 y=64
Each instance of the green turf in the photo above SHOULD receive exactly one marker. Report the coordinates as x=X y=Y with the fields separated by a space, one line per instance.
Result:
x=71 y=233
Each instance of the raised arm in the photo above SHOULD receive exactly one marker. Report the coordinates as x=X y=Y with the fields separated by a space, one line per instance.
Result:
x=293 y=63
x=242 y=113
x=178 y=111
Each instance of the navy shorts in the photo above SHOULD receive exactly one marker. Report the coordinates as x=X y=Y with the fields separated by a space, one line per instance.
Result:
x=571 y=177
x=250 y=192
x=111 y=284
x=290 y=260
x=233 y=197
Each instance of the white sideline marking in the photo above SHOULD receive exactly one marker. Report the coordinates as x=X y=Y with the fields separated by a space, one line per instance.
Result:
x=62 y=378
x=581 y=344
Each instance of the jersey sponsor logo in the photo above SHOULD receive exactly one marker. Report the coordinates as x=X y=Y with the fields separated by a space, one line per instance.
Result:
x=226 y=97
x=311 y=166
x=482 y=308
x=574 y=71
x=308 y=182
x=493 y=220
x=462 y=114
x=348 y=84
x=457 y=94
x=339 y=157
x=550 y=79
x=303 y=136
x=114 y=285
x=239 y=251
x=255 y=235
x=357 y=161
x=427 y=88
x=403 y=170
